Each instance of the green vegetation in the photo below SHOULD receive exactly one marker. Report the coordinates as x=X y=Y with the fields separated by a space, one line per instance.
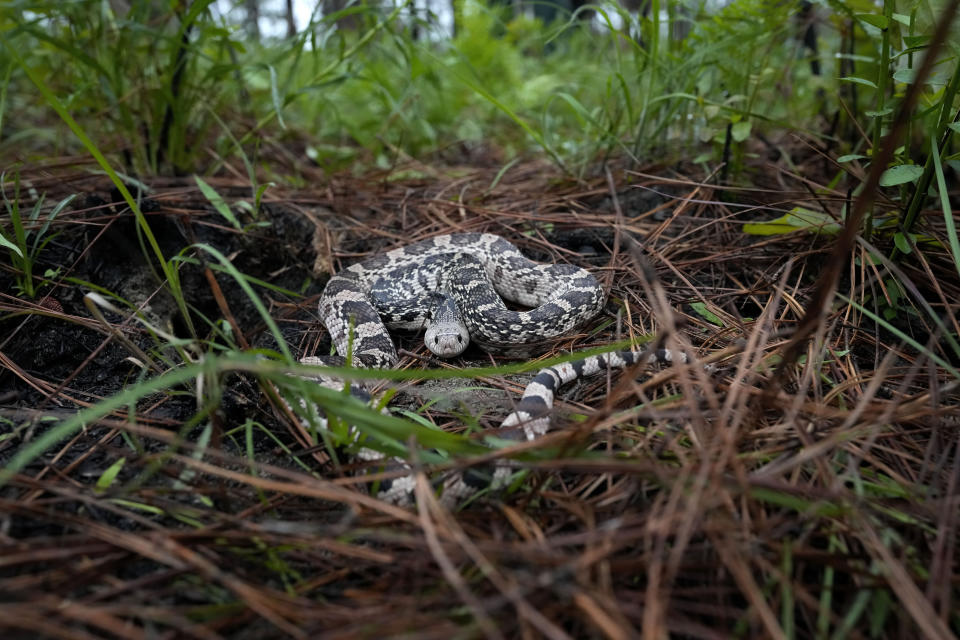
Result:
x=182 y=90
x=28 y=238
x=163 y=170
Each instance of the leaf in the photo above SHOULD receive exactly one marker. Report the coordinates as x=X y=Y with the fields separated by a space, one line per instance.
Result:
x=850 y=156
x=707 y=134
x=900 y=174
x=701 y=310
x=882 y=112
x=39 y=242
x=855 y=58
x=9 y=245
x=740 y=131
x=275 y=96
x=900 y=239
x=902 y=19
x=106 y=479
x=862 y=81
x=894 y=294
x=218 y=203
x=955 y=126
x=157 y=511
x=259 y=196
x=916 y=41
x=906 y=76
x=798 y=219
x=880 y=22
x=881 y=606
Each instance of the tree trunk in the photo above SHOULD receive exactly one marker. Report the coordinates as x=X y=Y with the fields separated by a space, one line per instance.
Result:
x=291 y=22
x=251 y=21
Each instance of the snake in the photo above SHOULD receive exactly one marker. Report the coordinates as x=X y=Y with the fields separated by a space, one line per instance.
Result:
x=454 y=288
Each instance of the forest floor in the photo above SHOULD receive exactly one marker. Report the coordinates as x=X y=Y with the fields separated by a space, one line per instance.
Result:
x=744 y=500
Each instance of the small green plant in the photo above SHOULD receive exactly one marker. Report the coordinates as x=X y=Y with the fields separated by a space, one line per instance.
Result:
x=27 y=239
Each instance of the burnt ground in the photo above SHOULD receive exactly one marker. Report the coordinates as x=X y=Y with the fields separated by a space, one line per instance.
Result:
x=731 y=499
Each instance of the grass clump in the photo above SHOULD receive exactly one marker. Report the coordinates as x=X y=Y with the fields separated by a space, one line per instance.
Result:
x=156 y=82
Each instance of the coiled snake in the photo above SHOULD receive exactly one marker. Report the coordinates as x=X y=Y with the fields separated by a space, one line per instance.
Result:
x=454 y=286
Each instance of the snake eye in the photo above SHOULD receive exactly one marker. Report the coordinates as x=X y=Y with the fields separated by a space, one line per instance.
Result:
x=459 y=339
x=436 y=340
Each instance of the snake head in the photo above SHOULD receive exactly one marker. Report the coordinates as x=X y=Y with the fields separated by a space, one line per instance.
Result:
x=446 y=334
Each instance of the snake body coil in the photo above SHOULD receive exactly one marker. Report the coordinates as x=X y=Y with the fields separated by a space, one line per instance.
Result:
x=411 y=287
x=454 y=286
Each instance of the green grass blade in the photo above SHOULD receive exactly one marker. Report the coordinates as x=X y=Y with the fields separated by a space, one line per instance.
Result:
x=903 y=336
x=218 y=202
x=241 y=280
x=55 y=103
x=944 y=194
x=35 y=448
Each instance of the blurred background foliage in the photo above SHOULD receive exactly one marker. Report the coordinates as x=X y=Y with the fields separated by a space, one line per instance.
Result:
x=182 y=87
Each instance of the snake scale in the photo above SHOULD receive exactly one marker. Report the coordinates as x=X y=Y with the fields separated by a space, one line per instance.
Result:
x=454 y=287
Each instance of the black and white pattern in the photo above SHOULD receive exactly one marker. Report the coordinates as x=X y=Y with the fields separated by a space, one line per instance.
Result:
x=454 y=286
x=474 y=272
x=531 y=417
